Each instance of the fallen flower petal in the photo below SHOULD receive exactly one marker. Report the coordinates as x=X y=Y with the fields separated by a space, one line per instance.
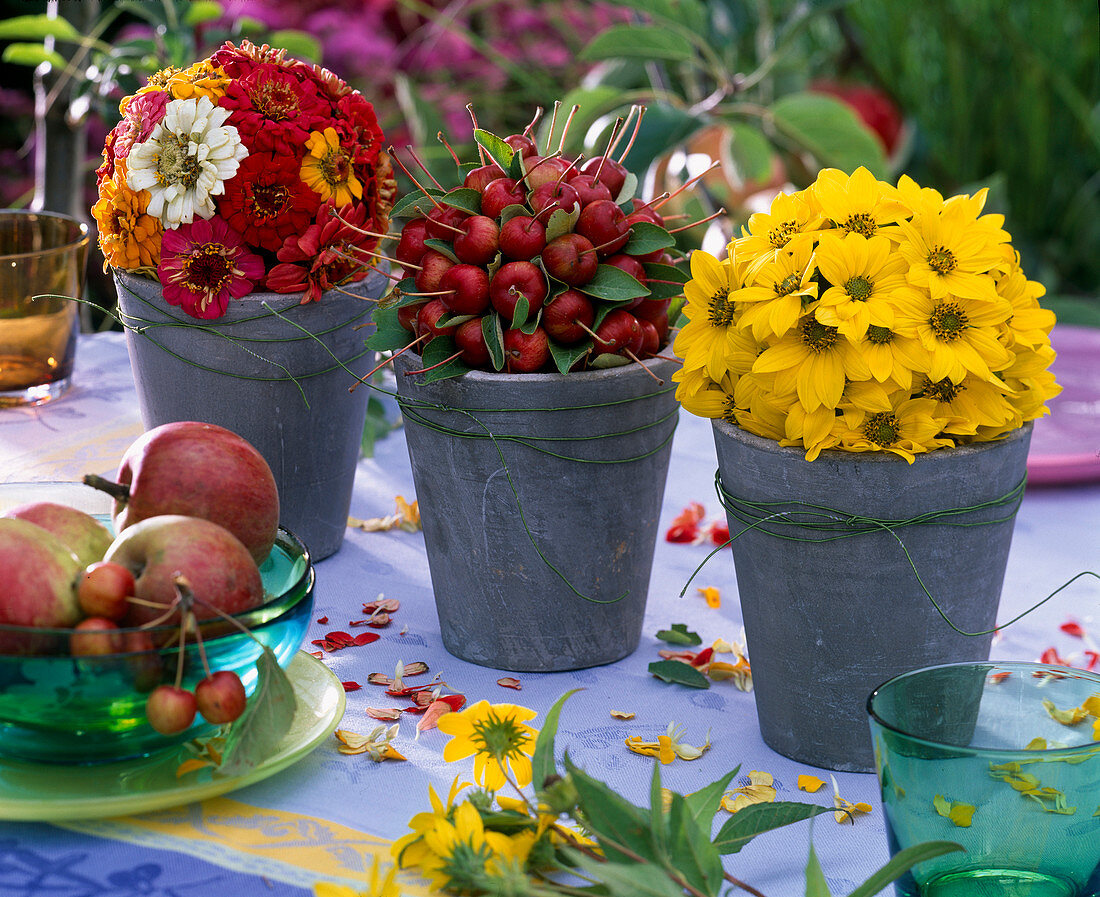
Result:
x=379 y=679
x=1050 y=655
x=622 y=714
x=384 y=713
x=846 y=811
x=682 y=534
x=1068 y=717
x=431 y=715
x=340 y=637
x=389 y=605
x=510 y=682
x=1074 y=629
x=958 y=813
x=351 y=686
x=365 y=638
x=719 y=533
x=375 y=745
x=812 y=784
x=322 y=620
x=760 y=790
x=417 y=668
x=190 y=766
x=712 y=595
x=379 y=620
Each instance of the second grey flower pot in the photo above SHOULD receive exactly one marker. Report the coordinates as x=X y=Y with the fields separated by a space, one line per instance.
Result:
x=279 y=380
x=826 y=622
x=540 y=539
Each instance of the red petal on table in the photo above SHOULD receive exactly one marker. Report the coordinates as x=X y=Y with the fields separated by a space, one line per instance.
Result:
x=703 y=657
x=1074 y=629
x=720 y=533
x=340 y=638
x=322 y=620
x=422 y=698
x=325 y=645
x=384 y=713
x=416 y=668
x=1000 y=676
x=510 y=682
x=386 y=604
x=1050 y=655
x=416 y=709
x=679 y=532
x=379 y=620
x=456 y=702
x=412 y=689
x=365 y=638
x=317 y=654
x=1093 y=658
x=351 y=686
x=670 y=654
x=379 y=679
x=357 y=622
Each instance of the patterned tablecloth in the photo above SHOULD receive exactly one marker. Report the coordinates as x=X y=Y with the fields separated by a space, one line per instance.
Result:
x=326 y=816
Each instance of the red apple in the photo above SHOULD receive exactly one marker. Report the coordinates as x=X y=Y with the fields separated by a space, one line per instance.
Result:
x=38 y=576
x=84 y=536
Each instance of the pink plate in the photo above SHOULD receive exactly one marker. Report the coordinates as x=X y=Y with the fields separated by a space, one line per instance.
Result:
x=1065 y=446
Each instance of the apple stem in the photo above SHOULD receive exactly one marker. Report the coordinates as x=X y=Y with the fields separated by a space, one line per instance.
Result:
x=536 y=165
x=439 y=136
x=434 y=366
x=473 y=118
x=638 y=362
x=668 y=358
x=664 y=196
x=118 y=491
x=198 y=641
x=412 y=177
x=590 y=332
x=713 y=165
x=412 y=152
x=711 y=217
x=561 y=177
x=534 y=121
x=637 y=126
x=565 y=128
x=370 y=233
x=229 y=619
x=626 y=121
x=389 y=360
x=610 y=145
x=553 y=122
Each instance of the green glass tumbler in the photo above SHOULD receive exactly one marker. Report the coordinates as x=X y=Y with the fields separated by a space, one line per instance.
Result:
x=1002 y=758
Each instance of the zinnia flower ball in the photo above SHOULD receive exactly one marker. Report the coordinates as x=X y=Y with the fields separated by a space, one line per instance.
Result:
x=247 y=171
x=860 y=316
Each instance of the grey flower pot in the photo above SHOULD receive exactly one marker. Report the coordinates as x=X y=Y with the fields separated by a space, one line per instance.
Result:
x=500 y=604
x=237 y=372
x=827 y=622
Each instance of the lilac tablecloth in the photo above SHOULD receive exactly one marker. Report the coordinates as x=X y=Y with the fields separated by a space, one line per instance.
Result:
x=324 y=817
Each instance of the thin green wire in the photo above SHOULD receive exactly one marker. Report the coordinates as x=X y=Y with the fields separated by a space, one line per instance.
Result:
x=843 y=526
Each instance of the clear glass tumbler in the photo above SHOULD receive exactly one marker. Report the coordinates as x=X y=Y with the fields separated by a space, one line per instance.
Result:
x=1002 y=758
x=42 y=268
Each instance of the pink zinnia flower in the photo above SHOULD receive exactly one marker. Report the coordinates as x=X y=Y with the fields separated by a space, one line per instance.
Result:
x=205 y=264
x=143 y=114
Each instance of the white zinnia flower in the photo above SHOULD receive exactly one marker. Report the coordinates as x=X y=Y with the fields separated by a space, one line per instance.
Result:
x=186 y=161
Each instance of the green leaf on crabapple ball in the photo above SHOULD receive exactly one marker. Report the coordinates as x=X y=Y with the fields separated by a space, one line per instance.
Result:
x=678 y=672
x=627 y=191
x=266 y=719
x=494 y=339
x=513 y=211
x=679 y=634
x=646 y=238
x=500 y=151
x=520 y=312
x=532 y=324
x=561 y=222
x=613 y=285
x=388 y=335
x=415 y=202
x=566 y=356
x=465 y=198
x=437 y=352
x=442 y=247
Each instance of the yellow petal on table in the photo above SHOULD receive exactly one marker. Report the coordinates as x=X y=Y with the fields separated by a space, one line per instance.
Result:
x=1069 y=717
x=959 y=813
x=407 y=518
x=665 y=753
x=190 y=766
x=811 y=784
x=409 y=514
x=622 y=714
x=712 y=595
x=1036 y=744
x=846 y=811
x=760 y=790
x=645 y=748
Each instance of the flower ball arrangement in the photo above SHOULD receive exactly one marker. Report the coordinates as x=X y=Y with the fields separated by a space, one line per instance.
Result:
x=247 y=171
x=535 y=263
x=859 y=316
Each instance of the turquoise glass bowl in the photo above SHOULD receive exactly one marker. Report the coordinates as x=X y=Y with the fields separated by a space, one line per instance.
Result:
x=56 y=708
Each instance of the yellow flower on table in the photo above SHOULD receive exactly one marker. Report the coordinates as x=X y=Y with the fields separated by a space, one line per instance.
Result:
x=498 y=738
x=463 y=852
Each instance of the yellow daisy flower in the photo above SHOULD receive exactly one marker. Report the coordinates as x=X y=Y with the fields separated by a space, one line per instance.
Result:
x=893 y=355
x=815 y=430
x=779 y=291
x=411 y=849
x=907 y=430
x=327 y=169
x=710 y=312
x=815 y=359
x=791 y=215
x=950 y=253
x=1030 y=324
x=866 y=276
x=967 y=405
x=960 y=333
x=463 y=853
x=200 y=80
x=1028 y=397
x=705 y=397
x=857 y=204
x=497 y=737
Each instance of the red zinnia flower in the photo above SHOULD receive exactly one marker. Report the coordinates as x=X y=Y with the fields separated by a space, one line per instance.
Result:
x=356 y=122
x=274 y=110
x=204 y=264
x=267 y=201
x=326 y=254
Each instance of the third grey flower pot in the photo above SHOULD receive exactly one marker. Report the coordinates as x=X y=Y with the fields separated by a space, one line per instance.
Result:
x=580 y=462
x=265 y=377
x=828 y=621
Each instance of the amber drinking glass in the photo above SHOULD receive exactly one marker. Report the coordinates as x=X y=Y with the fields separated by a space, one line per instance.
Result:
x=42 y=265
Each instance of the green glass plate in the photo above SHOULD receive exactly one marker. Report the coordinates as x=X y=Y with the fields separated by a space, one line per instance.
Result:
x=48 y=792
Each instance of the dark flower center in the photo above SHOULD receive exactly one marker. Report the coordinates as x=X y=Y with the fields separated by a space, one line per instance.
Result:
x=881 y=429
x=788 y=285
x=175 y=165
x=336 y=166
x=860 y=223
x=817 y=337
x=207 y=269
x=269 y=200
x=941 y=390
x=274 y=100
x=948 y=321
x=942 y=260
x=859 y=288
x=720 y=308
x=879 y=336
x=781 y=234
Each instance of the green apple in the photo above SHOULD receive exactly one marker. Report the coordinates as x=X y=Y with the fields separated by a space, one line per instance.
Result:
x=85 y=536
